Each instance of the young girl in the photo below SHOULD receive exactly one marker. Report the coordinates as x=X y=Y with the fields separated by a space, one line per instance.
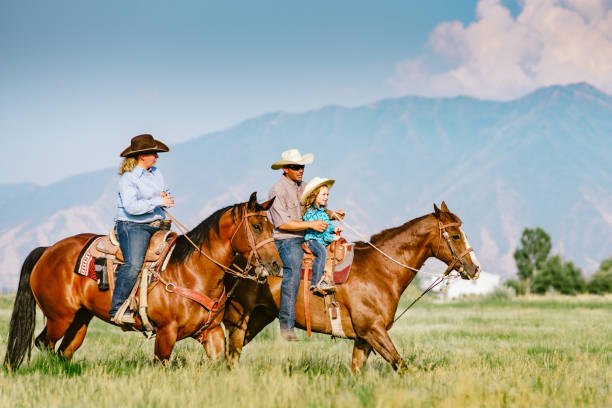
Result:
x=314 y=199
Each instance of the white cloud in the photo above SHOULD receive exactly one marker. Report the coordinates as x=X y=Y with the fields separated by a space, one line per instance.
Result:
x=502 y=57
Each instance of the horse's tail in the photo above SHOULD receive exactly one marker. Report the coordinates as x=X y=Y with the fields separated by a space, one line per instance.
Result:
x=23 y=319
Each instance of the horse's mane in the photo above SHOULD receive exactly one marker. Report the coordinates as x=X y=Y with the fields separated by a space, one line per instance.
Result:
x=201 y=234
x=388 y=233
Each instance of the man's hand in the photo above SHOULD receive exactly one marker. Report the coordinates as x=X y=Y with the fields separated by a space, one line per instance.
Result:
x=317 y=225
x=338 y=214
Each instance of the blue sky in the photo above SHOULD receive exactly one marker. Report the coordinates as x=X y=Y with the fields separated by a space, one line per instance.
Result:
x=78 y=79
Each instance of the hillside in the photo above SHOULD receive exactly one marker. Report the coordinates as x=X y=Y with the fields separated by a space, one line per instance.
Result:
x=541 y=160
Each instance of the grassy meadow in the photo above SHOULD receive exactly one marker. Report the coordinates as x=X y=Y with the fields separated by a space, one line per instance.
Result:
x=539 y=352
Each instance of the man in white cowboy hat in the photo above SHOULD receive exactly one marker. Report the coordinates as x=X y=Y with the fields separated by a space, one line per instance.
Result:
x=286 y=216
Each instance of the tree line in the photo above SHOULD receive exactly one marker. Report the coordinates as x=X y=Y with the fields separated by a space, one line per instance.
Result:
x=539 y=272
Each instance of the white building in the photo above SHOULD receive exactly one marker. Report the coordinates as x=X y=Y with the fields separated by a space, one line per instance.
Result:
x=486 y=283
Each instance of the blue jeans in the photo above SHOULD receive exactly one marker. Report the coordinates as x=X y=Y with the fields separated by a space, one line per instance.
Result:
x=134 y=240
x=291 y=253
x=318 y=265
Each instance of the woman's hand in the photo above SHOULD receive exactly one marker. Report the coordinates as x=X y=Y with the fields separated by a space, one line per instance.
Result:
x=167 y=199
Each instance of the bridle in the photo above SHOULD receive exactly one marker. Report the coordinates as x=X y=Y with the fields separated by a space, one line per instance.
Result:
x=215 y=305
x=456 y=259
x=442 y=233
x=260 y=272
x=234 y=269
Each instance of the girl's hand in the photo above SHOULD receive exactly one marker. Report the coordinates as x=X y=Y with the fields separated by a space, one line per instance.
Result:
x=339 y=214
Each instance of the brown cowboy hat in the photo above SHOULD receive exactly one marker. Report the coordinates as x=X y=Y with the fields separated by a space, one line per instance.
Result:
x=144 y=143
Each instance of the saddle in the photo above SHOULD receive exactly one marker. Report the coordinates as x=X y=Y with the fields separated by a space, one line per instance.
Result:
x=337 y=268
x=159 y=241
x=108 y=256
x=338 y=263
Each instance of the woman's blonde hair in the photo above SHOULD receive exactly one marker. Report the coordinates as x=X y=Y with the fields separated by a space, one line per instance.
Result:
x=128 y=165
x=311 y=198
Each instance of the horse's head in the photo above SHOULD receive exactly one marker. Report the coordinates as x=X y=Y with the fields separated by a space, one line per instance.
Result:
x=253 y=240
x=451 y=245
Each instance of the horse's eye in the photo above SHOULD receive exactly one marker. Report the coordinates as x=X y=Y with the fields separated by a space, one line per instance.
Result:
x=456 y=237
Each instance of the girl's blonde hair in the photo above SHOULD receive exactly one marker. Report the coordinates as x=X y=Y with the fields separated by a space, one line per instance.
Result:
x=128 y=165
x=311 y=198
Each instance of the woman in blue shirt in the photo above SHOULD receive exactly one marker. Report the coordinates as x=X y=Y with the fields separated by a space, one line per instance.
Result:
x=142 y=195
x=314 y=199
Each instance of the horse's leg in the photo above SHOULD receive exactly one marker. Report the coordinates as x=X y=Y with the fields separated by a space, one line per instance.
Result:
x=260 y=318
x=164 y=342
x=54 y=331
x=361 y=351
x=213 y=341
x=41 y=340
x=379 y=339
x=75 y=334
x=236 y=320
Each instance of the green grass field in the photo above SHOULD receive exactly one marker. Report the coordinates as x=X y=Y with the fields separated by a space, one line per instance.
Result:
x=537 y=353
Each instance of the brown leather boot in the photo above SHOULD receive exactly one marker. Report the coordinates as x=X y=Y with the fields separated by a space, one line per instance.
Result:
x=289 y=335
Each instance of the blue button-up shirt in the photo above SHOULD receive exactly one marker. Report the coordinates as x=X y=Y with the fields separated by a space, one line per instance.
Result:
x=138 y=198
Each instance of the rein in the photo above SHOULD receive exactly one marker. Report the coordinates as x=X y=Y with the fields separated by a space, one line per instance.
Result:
x=213 y=306
x=239 y=272
x=439 y=278
x=372 y=245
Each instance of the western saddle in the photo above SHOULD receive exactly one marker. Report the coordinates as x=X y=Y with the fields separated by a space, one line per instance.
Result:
x=156 y=259
x=339 y=253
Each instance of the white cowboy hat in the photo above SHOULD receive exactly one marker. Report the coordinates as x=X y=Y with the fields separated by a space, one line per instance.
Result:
x=293 y=156
x=313 y=185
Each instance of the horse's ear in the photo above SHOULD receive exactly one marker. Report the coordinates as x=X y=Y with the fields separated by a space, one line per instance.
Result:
x=252 y=206
x=266 y=206
x=436 y=211
x=444 y=208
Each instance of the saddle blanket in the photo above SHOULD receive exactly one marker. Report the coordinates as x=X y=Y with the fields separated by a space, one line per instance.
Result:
x=86 y=262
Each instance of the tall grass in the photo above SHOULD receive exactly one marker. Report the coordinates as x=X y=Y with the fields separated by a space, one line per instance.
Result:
x=465 y=353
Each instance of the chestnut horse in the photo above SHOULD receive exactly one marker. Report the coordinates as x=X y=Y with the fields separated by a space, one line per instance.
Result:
x=69 y=300
x=369 y=298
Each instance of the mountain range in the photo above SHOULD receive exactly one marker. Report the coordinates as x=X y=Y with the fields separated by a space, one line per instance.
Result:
x=540 y=160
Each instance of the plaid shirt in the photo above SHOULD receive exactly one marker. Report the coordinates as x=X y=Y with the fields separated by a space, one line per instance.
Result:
x=286 y=207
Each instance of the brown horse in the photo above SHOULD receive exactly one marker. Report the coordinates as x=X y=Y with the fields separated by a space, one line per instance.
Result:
x=369 y=298
x=69 y=300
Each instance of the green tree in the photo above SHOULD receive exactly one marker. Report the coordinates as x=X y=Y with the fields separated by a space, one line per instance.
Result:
x=562 y=276
x=517 y=285
x=601 y=281
x=531 y=254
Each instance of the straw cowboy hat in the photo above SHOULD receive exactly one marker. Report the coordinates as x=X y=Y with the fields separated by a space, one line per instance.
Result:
x=144 y=143
x=313 y=185
x=293 y=156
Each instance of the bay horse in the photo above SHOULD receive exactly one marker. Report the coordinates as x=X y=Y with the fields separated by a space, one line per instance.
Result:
x=369 y=298
x=69 y=301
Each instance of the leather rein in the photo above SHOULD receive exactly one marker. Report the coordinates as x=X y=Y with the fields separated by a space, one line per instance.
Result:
x=214 y=305
x=441 y=234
